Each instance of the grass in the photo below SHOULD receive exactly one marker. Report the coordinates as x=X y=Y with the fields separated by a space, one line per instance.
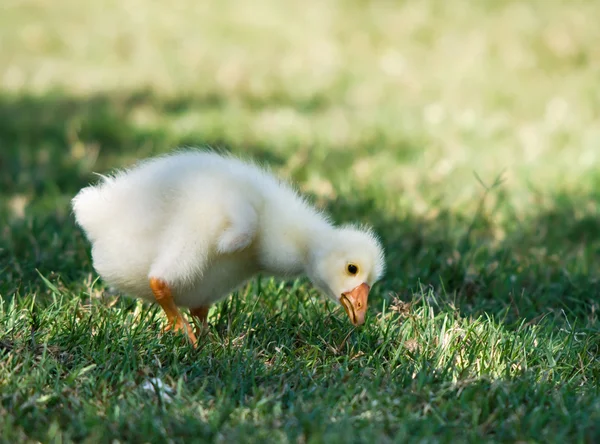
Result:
x=465 y=133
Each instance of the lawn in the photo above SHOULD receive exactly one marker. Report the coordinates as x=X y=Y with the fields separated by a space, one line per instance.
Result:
x=466 y=133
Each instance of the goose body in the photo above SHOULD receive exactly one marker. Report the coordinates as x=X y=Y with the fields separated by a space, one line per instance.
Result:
x=202 y=224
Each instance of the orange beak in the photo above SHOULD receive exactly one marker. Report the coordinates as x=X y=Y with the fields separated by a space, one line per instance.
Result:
x=355 y=304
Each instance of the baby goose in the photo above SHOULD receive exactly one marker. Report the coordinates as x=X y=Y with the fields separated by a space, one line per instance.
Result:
x=188 y=228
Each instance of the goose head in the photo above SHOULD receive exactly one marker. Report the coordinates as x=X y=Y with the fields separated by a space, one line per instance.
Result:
x=345 y=264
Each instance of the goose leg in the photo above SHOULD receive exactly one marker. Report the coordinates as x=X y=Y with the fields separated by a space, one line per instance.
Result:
x=200 y=313
x=163 y=296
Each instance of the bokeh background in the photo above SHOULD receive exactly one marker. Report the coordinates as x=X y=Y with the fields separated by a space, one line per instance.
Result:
x=467 y=133
x=394 y=113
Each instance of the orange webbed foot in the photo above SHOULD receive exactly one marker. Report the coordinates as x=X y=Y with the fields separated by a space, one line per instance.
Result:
x=176 y=322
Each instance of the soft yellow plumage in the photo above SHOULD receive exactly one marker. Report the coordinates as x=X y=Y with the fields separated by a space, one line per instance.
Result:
x=186 y=229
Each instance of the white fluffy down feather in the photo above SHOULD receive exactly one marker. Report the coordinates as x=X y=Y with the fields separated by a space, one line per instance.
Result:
x=204 y=223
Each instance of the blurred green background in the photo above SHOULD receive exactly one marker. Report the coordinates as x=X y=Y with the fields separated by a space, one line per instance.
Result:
x=467 y=133
x=387 y=112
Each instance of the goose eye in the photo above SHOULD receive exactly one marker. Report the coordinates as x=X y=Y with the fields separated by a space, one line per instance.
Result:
x=352 y=269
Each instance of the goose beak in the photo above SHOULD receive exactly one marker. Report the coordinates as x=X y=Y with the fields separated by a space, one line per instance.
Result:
x=355 y=304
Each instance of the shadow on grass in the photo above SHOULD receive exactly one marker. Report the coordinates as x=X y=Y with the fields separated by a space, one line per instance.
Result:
x=52 y=143
x=548 y=261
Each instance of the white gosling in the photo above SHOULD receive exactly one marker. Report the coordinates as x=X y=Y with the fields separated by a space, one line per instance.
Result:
x=188 y=228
